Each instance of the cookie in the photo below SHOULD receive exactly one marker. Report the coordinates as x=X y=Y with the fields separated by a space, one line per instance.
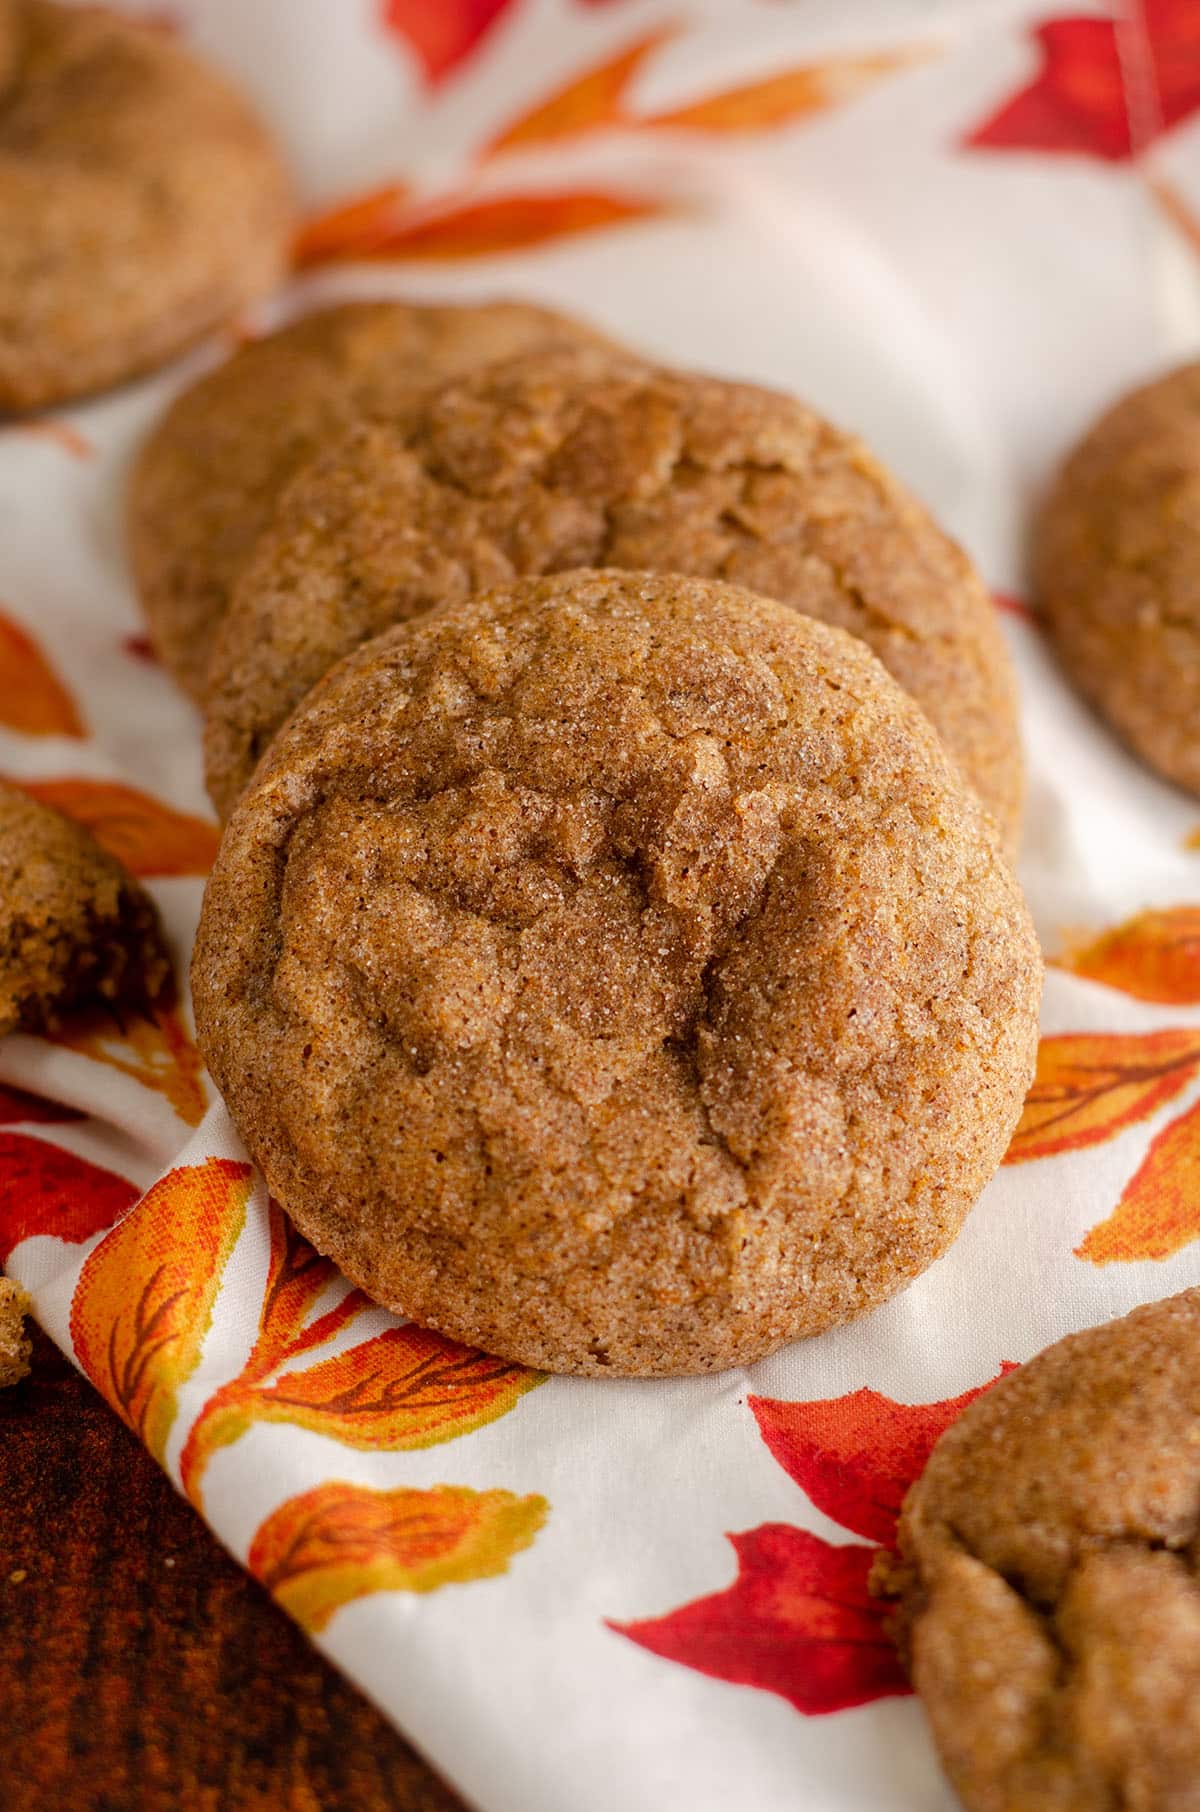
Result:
x=1117 y=569
x=208 y=477
x=545 y=464
x=8 y=41
x=1050 y=1593
x=142 y=202
x=16 y=1348
x=613 y=972
x=75 y=929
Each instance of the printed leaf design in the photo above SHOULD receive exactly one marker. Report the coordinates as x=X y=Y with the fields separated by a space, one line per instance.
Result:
x=1012 y=606
x=1159 y=1209
x=402 y=1389
x=150 y=838
x=594 y=99
x=60 y=434
x=1155 y=956
x=1090 y=1086
x=19 y=1107
x=856 y=1456
x=787 y=96
x=154 y=1050
x=355 y=229
x=799 y=1620
x=341 y=1542
x=444 y=34
x=1091 y=96
x=144 y=1300
x=598 y=97
x=33 y=699
x=379 y=229
x=47 y=1189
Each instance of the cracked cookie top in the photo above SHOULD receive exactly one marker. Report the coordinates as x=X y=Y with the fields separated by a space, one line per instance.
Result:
x=613 y=971
x=1049 y=1578
x=1117 y=567
x=580 y=459
x=208 y=478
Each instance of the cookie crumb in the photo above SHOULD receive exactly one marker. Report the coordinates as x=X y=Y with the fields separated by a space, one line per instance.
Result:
x=15 y=1345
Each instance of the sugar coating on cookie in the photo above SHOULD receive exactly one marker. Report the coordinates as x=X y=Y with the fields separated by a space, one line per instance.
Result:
x=75 y=929
x=142 y=201
x=579 y=460
x=208 y=478
x=1117 y=569
x=16 y=1348
x=1049 y=1575
x=614 y=972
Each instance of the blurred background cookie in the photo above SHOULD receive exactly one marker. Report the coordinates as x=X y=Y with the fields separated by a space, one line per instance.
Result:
x=580 y=459
x=8 y=41
x=75 y=929
x=209 y=476
x=1117 y=569
x=1049 y=1593
x=584 y=959
x=142 y=203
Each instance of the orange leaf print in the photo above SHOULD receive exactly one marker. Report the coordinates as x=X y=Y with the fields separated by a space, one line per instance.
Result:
x=1090 y=1086
x=1159 y=1209
x=790 y=95
x=150 y=838
x=144 y=1299
x=60 y=434
x=354 y=229
x=402 y=1389
x=340 y=1542
x=154 y=1050
x=33 y=699
x=482 y=229
x=1155 y=956
x=596 y=98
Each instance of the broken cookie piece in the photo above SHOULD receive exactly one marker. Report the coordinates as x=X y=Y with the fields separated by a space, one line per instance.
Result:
x=15 y=1345
x=75 y=929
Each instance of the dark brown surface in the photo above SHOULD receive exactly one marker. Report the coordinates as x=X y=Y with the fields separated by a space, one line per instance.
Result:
x=140 y=1669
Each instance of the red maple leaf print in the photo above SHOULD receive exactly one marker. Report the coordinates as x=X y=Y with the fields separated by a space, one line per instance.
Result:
x=46 y=1189
x=443 y=33
x=856 y=1456
x=1105 y=88
x=799 y=1619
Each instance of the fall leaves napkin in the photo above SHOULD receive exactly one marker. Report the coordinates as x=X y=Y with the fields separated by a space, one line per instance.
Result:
x=959 y=230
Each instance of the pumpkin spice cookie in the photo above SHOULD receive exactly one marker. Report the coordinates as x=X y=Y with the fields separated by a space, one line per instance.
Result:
x=543 y=464
x=1050 y=1599
x=142 y=202
x=75 y=929
x=1117 y=569
x=8 y=41
x=16 y=1348
x=209 y=476
x=614 y=972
